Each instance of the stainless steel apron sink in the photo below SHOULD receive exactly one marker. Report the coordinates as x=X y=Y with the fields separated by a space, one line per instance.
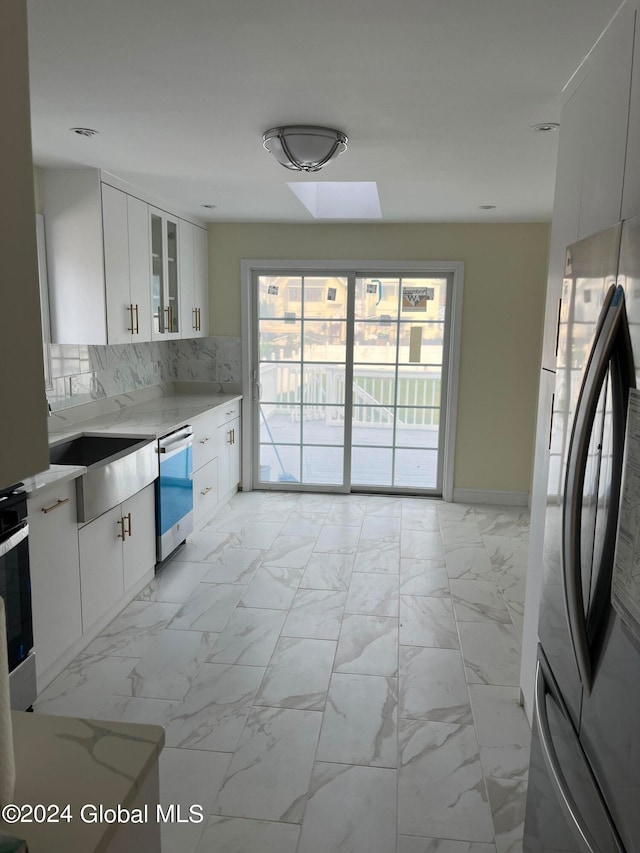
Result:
x=118 y=468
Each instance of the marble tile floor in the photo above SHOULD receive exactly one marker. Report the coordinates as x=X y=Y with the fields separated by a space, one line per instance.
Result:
x=334 y=673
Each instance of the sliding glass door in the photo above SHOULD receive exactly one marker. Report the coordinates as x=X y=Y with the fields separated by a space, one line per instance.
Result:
x=399 y=331
x=349 y=372
x=301 y=373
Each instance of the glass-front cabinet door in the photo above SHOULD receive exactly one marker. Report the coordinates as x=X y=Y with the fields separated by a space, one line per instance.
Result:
x=157 y=276
x=173 y=294
x=165 y=294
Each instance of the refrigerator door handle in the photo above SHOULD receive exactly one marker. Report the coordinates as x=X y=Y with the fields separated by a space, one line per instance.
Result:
x=595 y=375
x=569 y=807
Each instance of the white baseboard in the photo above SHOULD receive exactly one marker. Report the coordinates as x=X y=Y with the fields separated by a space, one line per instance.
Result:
x=482 y=496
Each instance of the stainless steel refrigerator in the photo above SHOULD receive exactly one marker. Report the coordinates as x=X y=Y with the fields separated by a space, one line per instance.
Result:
x=584 y=776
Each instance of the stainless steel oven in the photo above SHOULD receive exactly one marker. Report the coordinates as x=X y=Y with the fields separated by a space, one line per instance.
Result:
x=15 y=589
x=174 y=491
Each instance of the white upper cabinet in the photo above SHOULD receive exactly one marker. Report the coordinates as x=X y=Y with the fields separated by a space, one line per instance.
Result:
x=604 y=97
x=201 y=282
x=115 y=262
x=194 y=283
x=631 y=189
x=126 y=267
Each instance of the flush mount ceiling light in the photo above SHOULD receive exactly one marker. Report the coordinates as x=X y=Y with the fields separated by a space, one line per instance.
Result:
x=545 y=127
x=84 y=131
x=304 y=148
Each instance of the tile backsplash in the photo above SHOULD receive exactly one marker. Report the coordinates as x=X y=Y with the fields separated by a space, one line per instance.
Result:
x=81 y=373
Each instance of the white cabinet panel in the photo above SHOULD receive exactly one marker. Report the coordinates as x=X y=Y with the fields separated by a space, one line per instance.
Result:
x=189 y=316
x=75 y=262
x=194 y=281
x=55 y=573
x=139 y=272
x=120 y=317
x=631 y=189
x=101 y=577
x=566 y=216
x=605 y=101
x=126 y=267
x=205 y=491
x=201 y=280
x=205 y=432
x=139 y=547
x=228 y=456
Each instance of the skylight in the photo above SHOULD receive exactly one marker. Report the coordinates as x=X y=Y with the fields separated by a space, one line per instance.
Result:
x=339 y=199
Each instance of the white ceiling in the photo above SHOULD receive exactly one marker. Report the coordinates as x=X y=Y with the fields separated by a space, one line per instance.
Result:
x=436 y=96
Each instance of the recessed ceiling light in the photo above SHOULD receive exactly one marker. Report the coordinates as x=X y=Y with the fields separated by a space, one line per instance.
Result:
x=84 y=131
x=545 y=127
x=486 y=207
x=209 y=206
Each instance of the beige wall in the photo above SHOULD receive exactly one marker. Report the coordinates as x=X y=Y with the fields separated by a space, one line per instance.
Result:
x=504 y=288
x=23 y=429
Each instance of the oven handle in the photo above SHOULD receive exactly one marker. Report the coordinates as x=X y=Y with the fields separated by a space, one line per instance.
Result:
x=14 y=540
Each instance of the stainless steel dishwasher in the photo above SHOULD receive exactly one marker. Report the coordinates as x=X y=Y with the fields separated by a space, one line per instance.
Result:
x=174 y=491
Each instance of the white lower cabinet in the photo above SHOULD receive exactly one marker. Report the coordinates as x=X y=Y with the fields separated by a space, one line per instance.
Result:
x=205 y=491
x=216 y=459
x=101 y=565
x=116 y=550
x=139 y=548
x=228 y=456
x=55 y=573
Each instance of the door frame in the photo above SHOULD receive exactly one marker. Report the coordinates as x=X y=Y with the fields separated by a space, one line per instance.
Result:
x=428 y=268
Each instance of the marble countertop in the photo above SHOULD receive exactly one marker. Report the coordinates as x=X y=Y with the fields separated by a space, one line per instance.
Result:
x=62 y=760
x=55 y=475
x=153 y=417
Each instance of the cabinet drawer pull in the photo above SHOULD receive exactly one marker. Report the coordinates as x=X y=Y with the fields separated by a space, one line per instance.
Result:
x=60 y=502
x=206 y=491
x=205 y=440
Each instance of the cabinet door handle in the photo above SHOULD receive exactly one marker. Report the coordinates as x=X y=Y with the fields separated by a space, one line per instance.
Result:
x=233 y=436
x=167 y=327
x=194 y=324
x=128 y=520
x=204 y=440
x=137 y=320
x=131 y=328
x=199 y=319
x=123 y=532
x=60 y=502
x=229 y=441
x=206 y=491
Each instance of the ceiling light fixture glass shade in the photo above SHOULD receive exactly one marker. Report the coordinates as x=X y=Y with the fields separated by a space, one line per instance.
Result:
x=304 y=148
